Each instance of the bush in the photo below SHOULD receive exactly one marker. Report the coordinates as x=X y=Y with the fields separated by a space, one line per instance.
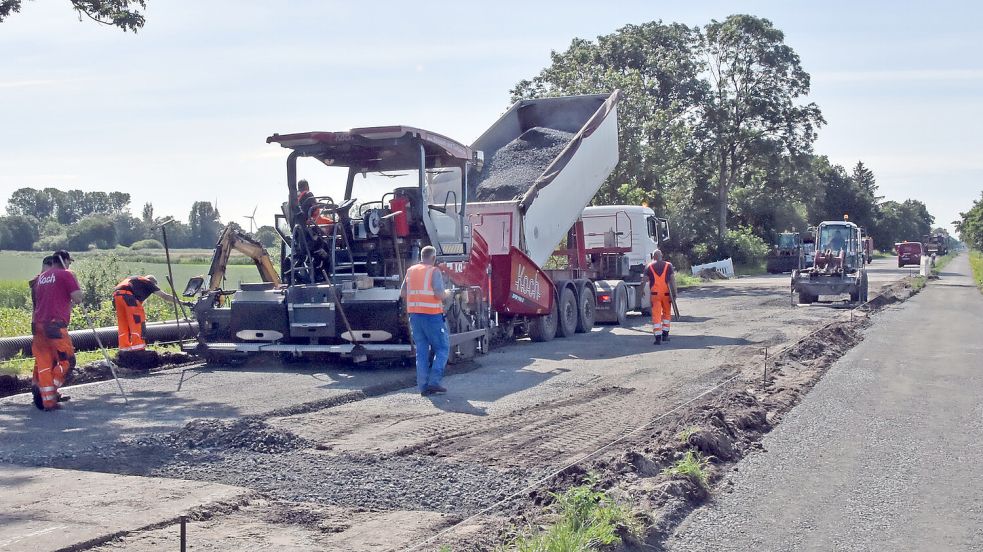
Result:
x=18 y=232
x=147 y=244
x=744 y=247
x=94 y=229
x=51 y=243
x=15 y=294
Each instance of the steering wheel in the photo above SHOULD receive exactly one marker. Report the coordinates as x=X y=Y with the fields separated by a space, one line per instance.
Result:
x=343 y=208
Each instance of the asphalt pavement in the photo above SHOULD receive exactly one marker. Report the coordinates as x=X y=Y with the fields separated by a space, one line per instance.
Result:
x=882 y=455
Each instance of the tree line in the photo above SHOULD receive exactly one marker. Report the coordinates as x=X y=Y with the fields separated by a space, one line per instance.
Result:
x=51 y=219
x=716 y=133
x=970 y=225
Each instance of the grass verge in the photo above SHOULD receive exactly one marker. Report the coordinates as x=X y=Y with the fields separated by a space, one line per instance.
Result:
x=585 y=519
x=684 y=280
x=976 y=262
x=691 y=466
x=940 y=262
x=750 y=269
x=24 y=365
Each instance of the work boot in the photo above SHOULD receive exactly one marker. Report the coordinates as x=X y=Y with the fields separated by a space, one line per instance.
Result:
x=63 y=398
x=665 y=336
x=436 y=390
x=658 y=339
x=426 y=392
x=36 y=395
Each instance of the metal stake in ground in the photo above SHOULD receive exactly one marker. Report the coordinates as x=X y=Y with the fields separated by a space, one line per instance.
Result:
x=105 y=355
x=170 y=272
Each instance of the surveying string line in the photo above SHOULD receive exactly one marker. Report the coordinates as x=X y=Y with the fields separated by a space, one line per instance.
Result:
x=559 y=471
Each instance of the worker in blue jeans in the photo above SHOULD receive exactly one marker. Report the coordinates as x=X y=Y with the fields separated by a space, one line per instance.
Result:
x=423 y=290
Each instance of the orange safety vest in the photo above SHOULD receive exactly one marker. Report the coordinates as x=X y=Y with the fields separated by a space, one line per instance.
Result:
x=420 y=298
x=316 y=212
x=660 y=285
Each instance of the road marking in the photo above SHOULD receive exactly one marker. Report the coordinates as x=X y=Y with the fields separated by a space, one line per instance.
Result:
x=8 y=542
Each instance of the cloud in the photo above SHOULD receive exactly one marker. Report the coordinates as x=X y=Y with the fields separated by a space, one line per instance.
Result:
x=903 y=75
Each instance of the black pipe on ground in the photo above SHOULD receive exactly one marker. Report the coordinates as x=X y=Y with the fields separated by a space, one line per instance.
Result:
x=83 y=340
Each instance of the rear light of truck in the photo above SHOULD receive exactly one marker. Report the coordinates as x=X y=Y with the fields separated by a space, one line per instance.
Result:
x=604 y=298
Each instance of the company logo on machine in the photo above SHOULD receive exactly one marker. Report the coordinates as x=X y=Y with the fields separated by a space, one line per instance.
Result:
x=529 y=286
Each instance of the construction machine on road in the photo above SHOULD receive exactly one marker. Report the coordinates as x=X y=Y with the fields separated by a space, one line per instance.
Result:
x=838 y=266
x=535 y=170
x=786 y=255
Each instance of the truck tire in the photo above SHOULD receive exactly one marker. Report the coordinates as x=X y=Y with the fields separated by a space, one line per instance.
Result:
x=586 y=309
x=806 y=299
x=621 y=304
x=543 y=328
x=567 y=313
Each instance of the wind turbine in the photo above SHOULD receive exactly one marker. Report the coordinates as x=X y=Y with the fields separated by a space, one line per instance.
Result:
x=252 y=219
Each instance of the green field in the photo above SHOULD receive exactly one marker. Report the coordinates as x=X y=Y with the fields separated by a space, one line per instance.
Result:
x=20 y=265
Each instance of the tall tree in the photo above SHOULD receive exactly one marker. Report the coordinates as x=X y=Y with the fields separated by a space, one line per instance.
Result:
x=970 y=225
x=31 y=203
x=755 y=80
x=148 y=213
x=655 y=66
x=204 y=224
x=117 y=13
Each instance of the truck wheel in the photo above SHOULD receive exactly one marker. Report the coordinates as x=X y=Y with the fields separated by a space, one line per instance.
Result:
x=806 y=299
x=586 y=311
x=543 y=328
x=621 y=304
x=566 y=324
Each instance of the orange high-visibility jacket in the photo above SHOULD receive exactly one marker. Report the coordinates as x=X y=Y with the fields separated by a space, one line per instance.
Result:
x=420 y=298
x=660 y=282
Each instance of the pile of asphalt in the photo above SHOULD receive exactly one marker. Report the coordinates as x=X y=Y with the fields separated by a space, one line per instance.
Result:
x=245 y=433
x=356 y=481
x=513 y=169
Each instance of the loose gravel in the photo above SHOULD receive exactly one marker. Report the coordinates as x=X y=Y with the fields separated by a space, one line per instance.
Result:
x=514 y=168
x=356 y=481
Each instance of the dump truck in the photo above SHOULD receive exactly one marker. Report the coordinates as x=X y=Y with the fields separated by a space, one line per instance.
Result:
x=532 y=173
x=936 y=243
x=786 y=254
x=838 y=265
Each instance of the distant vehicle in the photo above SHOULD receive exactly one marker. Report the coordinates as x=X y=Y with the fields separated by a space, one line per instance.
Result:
x=786 y=255
x=936 y=243
x=909 y=253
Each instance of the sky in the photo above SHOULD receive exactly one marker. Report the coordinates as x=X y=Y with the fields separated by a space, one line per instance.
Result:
x=180 y=111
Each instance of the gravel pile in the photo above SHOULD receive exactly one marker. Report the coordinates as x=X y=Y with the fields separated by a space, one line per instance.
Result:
x=386 y=483
x=247 y=434
x=512 y=169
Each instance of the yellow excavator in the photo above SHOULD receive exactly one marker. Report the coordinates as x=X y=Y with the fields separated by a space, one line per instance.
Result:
x=232 y=239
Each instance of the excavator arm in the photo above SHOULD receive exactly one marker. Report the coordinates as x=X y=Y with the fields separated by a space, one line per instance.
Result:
x=231 y=239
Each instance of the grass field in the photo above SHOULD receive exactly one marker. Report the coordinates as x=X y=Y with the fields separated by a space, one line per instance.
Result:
x=976 y=262
x=20 y=265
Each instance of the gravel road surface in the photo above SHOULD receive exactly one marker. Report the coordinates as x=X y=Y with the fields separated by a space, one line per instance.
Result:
x=882 y=454
x=358 y=444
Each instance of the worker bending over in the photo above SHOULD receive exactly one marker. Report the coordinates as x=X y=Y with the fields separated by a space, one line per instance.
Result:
x=423 y=289
x=128 y=298
x=662 y=284
x=54 y=292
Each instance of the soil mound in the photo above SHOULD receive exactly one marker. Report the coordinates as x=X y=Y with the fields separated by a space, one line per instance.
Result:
x=514 y=168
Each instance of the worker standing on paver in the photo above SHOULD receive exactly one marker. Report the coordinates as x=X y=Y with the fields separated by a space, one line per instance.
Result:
x=423 y=290
x=662 y=284
x=306 y=201
x=54 y=291
x=128 y=298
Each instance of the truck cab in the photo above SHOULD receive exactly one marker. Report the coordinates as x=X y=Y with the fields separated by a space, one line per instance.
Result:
x=630 y=226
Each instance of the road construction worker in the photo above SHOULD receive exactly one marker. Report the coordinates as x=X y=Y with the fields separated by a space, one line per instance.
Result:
x=128 y=298
x=54 y=291
x=304 y=194
x=423 y=290
x=662 y=286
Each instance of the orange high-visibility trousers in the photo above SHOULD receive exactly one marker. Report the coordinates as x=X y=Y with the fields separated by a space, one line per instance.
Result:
x=661 y=312
x=130 y=318
x=54 y=359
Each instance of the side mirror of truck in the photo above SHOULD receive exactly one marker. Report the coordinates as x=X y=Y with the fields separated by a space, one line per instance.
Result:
x=663 y=225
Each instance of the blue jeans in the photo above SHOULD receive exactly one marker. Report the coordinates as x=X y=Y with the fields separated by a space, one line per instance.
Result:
x=430 y=332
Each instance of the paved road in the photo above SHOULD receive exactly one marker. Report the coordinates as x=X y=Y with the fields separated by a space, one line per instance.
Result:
x=522 y=409
x=883 y=454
